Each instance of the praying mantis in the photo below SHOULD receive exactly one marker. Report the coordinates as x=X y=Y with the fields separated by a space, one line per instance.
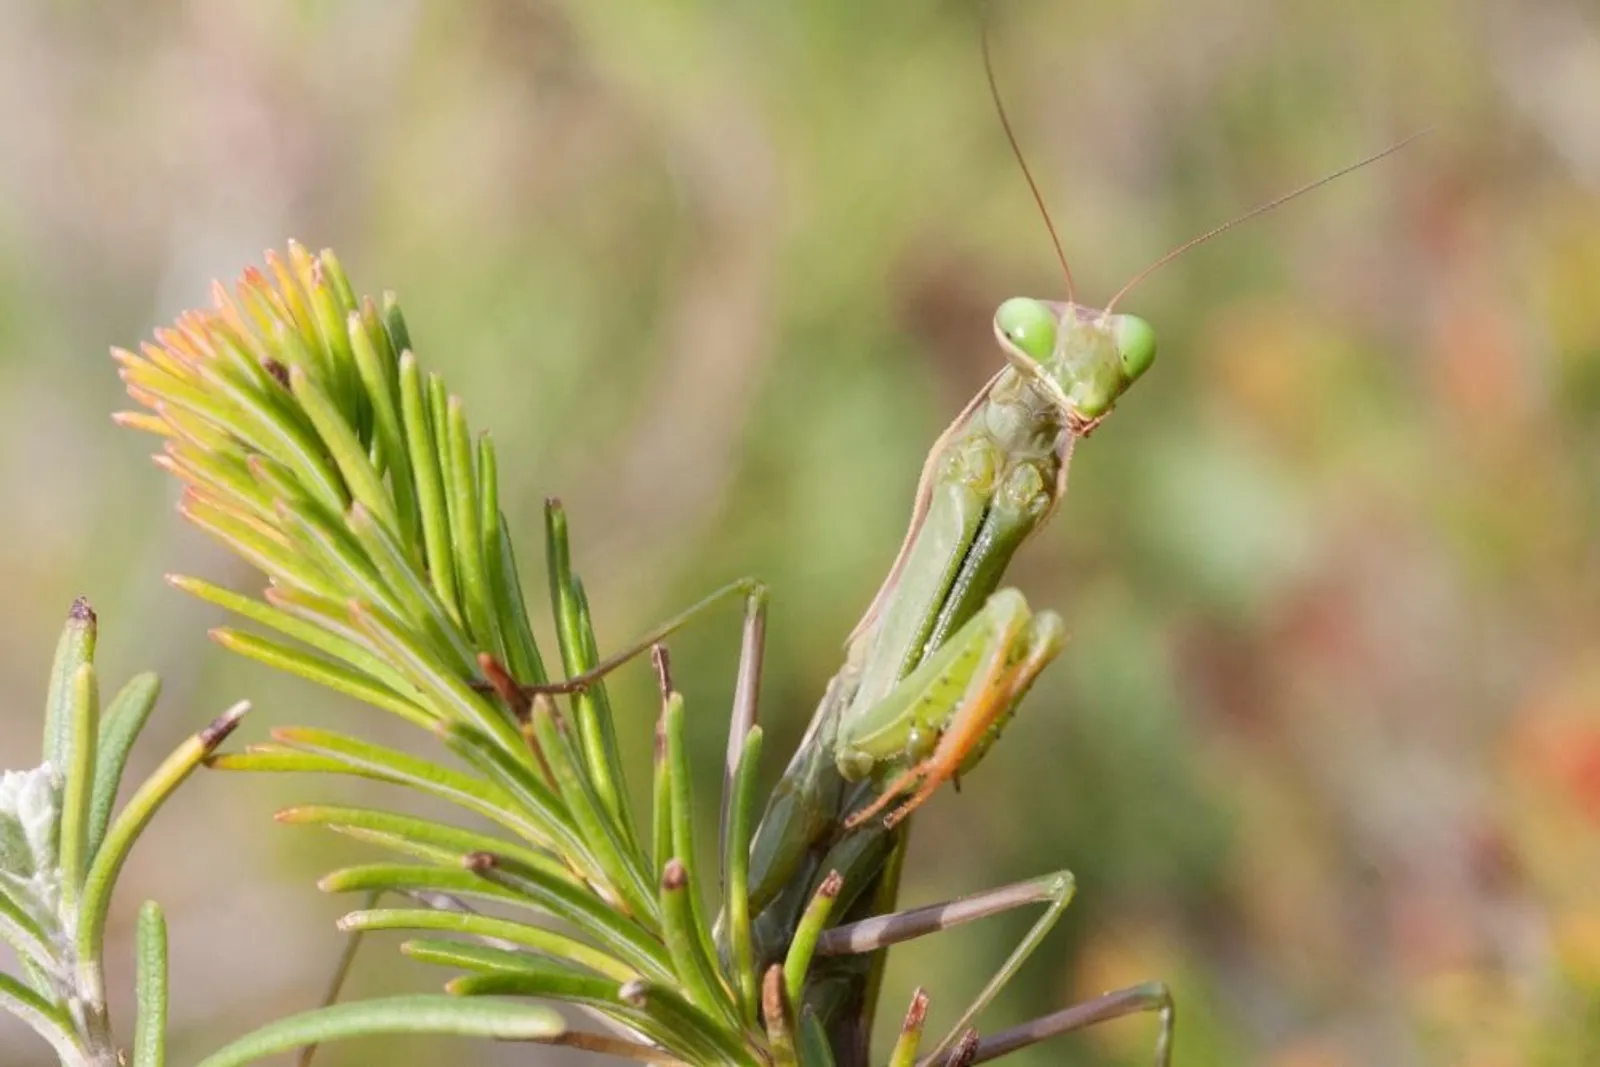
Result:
x=936 y=668
x=941 y=658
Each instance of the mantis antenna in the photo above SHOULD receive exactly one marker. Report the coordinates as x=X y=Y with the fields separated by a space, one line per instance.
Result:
x=1260 y=209
x=1016 y=150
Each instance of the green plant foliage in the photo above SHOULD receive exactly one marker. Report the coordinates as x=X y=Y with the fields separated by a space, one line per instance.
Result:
x=62 y=845
x=310 y=442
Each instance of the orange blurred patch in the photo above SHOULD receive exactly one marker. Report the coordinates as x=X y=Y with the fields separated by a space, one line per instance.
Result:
x=1576 y=937
x=1474 y=1019
x=1476 y=368
x=1556 y=742
x=1267 y=362
x=1315 y=1051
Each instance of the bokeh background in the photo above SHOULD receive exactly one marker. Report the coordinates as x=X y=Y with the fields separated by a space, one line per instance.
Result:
x=1324 y=751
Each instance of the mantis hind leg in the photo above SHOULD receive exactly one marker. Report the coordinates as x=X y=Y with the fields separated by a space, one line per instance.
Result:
x=753 y=591
x=747 y=686
x=1151 y=997
x=1056 y=892
x=869 y=935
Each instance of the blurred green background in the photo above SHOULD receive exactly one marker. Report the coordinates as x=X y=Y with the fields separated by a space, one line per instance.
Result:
x=1324 y=751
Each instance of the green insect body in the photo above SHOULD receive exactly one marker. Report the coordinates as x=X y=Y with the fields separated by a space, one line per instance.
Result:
x=991 y=479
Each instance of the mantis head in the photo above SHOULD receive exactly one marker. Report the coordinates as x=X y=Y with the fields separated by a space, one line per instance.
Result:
x=1083 y=359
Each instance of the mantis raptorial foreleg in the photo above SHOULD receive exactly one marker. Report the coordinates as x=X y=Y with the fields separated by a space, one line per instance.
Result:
x=1053 y=890
x=941 y=718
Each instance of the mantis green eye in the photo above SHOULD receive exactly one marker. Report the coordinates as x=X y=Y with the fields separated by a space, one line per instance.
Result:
x=1136 y=345
x=1030 y=325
